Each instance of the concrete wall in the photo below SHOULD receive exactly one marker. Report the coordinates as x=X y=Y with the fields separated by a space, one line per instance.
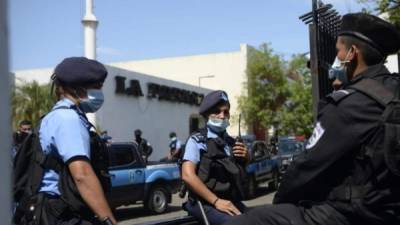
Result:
x=122 y=114
x=5 y=131
x=228 y=68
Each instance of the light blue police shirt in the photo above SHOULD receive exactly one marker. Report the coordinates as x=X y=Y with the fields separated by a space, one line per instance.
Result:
x=64 y=134
x=193 y=148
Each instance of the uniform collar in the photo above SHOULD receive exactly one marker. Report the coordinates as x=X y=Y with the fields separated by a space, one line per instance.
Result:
x=371 y=72
x=213 y=134
x=64 y=102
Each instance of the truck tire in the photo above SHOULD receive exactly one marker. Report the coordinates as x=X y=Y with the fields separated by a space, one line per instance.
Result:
x=157 y=200
x=252 y=188
x=274 y=183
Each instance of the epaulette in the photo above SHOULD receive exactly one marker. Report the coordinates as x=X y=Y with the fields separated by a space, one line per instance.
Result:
x=339 y=95
x=199 y=137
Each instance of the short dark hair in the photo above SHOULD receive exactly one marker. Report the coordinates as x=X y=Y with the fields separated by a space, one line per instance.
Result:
x=138 y=132
x=25 y=122
x=370 y=55
x=172 y=134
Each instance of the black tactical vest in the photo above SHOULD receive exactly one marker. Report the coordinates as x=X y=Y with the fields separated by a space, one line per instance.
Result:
x=219 y=172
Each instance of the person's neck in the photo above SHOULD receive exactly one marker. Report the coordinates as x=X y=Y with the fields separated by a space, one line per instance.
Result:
x=361 y=66
x=71 y=98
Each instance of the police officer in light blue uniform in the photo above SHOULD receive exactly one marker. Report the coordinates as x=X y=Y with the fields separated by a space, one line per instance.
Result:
x=64 y=133
x=212 y=152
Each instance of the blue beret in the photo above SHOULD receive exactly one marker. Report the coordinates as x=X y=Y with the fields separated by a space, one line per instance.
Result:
x=212 y=99
x=80 y=71
x=381 y=35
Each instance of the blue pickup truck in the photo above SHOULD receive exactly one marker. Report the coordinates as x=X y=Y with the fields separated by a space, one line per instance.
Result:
x=263 y=167
x=134 y=180
x=289 y=148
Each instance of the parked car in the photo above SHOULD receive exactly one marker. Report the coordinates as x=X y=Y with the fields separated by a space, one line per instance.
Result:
x=133 y=180
x=263 y=167
x=289 y=148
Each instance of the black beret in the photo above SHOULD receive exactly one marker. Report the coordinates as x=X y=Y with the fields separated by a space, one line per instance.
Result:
x=376 y=32
x=80 y=71
x=212 y=99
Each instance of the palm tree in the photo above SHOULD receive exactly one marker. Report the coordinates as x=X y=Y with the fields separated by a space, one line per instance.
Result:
x=30 y=101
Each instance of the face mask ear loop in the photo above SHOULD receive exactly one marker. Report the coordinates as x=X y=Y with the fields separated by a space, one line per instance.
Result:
x=346 y=60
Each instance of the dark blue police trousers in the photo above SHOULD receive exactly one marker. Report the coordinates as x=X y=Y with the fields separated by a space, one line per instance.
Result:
x=214 y=216
x=289 y=214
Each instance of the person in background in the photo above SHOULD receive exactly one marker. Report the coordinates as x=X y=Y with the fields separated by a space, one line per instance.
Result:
x=144 y=146
x=174 y=151
x=24 y=129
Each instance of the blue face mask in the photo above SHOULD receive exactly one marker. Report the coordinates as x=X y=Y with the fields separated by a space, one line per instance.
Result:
x=93 y=102
x=338 y=70
x=218 y=125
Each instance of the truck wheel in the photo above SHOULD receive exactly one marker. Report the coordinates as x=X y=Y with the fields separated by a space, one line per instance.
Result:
x=273 y=185
x=251 y=192
x=157 y=201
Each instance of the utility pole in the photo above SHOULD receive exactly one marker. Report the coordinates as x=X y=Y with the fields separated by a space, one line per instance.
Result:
x=90 y=23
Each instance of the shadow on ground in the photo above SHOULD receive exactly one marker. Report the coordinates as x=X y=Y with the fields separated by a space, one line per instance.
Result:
x=127 y=213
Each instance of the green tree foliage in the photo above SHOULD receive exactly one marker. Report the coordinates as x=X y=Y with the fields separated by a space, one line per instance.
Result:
x=297 y=113
x=391 y=7
x=266 y=86
x=277 y=93
x=30 y=101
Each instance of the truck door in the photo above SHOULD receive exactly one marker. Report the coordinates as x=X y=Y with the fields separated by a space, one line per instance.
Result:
x=127 y=174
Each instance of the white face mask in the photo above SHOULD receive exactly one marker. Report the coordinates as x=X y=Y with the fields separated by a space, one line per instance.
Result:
x=338 y=69
x=218 y=125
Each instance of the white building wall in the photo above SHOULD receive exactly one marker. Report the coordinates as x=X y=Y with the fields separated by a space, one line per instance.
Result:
x=229 y=69
x=121 y=114
x=392 y=64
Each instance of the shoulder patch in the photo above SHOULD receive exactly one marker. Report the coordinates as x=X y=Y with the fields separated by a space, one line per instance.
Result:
x=316 y=135
x=339 y=95
x=199 y=137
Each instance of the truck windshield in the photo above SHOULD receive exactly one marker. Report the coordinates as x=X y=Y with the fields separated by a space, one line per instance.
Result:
x=288 y=147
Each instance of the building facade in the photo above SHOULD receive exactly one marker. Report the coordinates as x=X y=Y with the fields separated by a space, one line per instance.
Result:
x=225 y=71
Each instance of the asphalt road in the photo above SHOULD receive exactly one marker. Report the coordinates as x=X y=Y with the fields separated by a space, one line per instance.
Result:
x=136 y=214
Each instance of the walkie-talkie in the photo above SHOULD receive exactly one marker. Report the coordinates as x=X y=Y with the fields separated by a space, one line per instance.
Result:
x=239 y=137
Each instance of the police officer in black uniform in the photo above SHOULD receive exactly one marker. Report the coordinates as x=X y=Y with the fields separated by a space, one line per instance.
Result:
x=144 y=146
x=343 y=179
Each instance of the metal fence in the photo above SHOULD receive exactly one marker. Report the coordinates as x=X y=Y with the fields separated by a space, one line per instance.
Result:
x=323 y=22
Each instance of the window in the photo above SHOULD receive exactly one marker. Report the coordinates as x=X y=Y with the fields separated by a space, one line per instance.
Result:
x=121 y=156
x=259 y=150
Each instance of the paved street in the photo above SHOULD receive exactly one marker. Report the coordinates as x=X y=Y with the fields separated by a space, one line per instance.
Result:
x=137 y=214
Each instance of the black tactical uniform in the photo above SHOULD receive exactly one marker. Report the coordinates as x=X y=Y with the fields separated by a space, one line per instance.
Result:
x=342 y=179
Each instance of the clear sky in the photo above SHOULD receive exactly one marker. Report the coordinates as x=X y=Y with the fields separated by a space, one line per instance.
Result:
x=43 y=32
